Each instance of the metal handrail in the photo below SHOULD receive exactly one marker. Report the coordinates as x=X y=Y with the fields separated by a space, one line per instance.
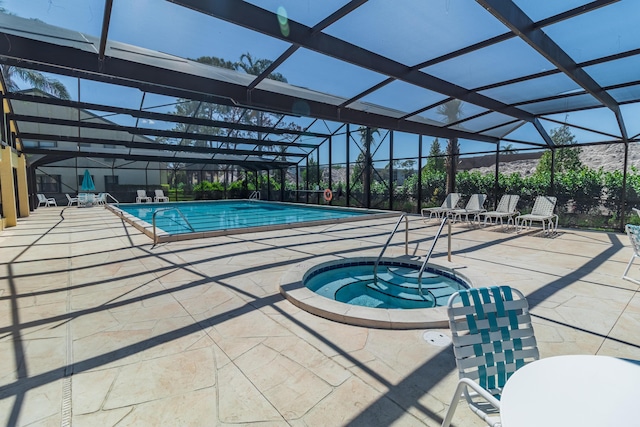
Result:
x=114 y=199
x=406 y=244
x=255 y=195
x=445 y=220
x=153 y=221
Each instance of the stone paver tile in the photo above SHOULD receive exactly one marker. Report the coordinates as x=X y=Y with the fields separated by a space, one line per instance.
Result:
x=154 y=312
x=331 y=338
x=202 y=300
x=162 y=377
x=240 y=401
x=304 y=354
x=101 y=418
x=111 y=348
x=201 y=404
x=250 y=323
x=289 y=386
x=90 y=390
x=40 y=406
x=236 y=347
x=354 y=403
x=43 y=355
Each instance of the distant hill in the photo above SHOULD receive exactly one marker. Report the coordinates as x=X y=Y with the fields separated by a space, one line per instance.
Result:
x=608 y=157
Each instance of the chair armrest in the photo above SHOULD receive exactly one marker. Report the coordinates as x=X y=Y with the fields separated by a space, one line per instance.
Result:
x=462 y=383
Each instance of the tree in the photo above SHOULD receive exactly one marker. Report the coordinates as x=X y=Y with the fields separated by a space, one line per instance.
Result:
x=509 y=149
x=451 y=112
x=364 y=162
x=257 y=67
x=566 y=158
x=33 y=78
x=435 y=162
x=232 y=114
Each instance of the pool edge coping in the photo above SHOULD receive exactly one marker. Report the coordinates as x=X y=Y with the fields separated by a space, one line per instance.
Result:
x=291 y=287
x=164 y=237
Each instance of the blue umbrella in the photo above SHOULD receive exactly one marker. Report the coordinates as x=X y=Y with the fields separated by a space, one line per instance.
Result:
x=87 y=182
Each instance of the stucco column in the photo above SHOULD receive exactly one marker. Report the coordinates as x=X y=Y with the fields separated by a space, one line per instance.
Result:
x=6 y=182
x=23 y=187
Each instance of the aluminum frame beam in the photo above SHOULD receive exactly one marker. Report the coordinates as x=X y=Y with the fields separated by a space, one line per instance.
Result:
x=518 y=22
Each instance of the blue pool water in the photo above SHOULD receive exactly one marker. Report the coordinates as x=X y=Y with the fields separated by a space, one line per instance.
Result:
x=235 y=214
x=396 y=286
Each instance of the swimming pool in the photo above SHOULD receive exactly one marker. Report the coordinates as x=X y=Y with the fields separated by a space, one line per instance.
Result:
x=189 y=220
x=297 y=283
x=395 y=286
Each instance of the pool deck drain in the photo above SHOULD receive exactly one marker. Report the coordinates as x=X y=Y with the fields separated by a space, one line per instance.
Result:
x=294 y=290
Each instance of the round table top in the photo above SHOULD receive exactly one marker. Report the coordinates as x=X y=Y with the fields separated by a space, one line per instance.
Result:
x=579 y=390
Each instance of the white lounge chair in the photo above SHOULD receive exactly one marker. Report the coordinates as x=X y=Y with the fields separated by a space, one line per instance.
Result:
x=492 y=337
x=101 y=199
x=475 y=206
x=506 y=209
x=46 y=201
x=542 y=212
x=160 y=197
x=633 y=231
x=71 y=200
x=450 y=203
x=142 y=197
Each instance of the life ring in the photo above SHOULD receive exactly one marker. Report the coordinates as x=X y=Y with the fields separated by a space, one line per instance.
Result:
x=328 y=195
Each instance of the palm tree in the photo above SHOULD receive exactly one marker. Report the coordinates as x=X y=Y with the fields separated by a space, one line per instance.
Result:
x=451 y=112
x=35 y=79
x=366 y=137
x=256 y=67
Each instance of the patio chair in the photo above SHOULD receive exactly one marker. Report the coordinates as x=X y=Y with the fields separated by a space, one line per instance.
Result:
x=46 y=201
x=142 y=197
x=475 y=205
x=506 y=209
x=542 y=212
x=71 y=200
x=101 y=199
x=450 y=203
x=633 y=231
x=160 y=197
x=492 y=337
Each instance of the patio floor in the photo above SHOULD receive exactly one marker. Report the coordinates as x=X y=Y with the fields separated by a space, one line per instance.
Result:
x=99 y=328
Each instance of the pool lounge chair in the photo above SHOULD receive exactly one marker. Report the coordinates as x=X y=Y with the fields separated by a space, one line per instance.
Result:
x=633 y=231
x=71 y=200
x=142 y=197
x=450 y=203
x=492 y=337
x=475 y=206
x=506 y=209
x=46 y=201
x=160 y=197
x=542 y=212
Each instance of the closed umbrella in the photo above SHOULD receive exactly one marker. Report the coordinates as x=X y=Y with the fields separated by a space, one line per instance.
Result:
x=87 y=182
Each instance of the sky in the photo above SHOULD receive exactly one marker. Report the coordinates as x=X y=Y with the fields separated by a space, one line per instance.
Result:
x=166 y=27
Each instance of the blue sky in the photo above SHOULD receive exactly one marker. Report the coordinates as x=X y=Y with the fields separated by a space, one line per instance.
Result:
x=163 y=26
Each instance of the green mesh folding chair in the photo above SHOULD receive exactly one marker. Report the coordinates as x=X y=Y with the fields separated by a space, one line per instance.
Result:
x=492 y=337
x=633 y=231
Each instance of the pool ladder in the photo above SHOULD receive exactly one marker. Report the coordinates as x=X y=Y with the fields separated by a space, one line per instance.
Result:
x=445 y=220
x=153 y=221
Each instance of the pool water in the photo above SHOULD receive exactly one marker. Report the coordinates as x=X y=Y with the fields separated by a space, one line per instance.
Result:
x=396 y=285
x=236 y=214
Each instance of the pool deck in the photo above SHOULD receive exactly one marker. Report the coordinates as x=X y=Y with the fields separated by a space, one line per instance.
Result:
x=100 y=328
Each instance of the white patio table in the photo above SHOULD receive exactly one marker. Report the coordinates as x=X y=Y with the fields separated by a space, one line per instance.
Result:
x=579 y=390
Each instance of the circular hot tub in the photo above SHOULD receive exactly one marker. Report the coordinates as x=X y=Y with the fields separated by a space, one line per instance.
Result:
x=347 y=291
